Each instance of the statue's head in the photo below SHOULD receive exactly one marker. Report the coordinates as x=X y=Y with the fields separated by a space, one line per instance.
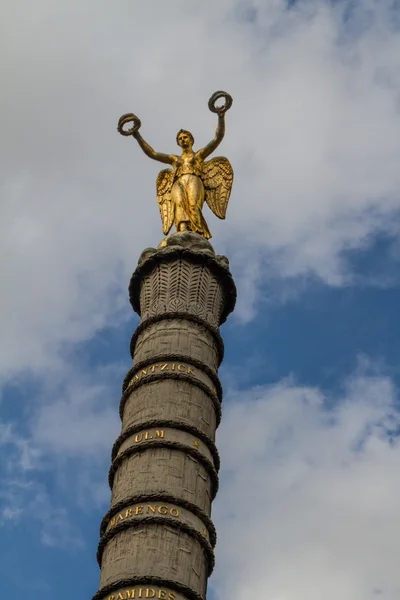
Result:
x=184 y=138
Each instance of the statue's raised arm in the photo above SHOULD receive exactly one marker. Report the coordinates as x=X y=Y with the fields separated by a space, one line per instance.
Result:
x=181 y=191
x=134 y=131
x=220 y=131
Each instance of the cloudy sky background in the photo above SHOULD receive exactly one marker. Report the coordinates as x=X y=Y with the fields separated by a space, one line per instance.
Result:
x=308 y=506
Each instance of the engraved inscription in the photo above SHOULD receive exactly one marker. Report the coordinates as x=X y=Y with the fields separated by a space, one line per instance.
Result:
x=144 y=509
x=147 y=435
x=154 y=435
x=140 y=592
x=159 y=367
x=143 y=436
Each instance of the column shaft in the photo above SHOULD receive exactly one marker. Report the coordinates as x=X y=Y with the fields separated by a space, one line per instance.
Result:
x=157 y=539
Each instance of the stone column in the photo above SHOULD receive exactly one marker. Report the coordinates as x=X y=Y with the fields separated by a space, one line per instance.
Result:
x=157 y=539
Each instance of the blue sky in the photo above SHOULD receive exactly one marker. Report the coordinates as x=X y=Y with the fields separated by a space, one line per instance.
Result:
x=310 y=480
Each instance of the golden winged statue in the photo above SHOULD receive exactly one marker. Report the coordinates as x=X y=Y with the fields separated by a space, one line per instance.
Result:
x=181 y=191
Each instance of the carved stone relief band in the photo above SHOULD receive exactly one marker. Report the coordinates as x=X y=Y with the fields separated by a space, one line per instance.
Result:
x=163 y=424
x=159 y=499
x=150 y=581
x=217 y=265
x=171 y=445
x=179 y=316
x=158 y=520
x=164 y=363
x=153 y=377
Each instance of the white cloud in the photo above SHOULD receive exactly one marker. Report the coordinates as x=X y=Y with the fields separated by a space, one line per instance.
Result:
x=55 y=460
x=314 y=137
x=21 y=455
x=80 y=421
x=308 y=506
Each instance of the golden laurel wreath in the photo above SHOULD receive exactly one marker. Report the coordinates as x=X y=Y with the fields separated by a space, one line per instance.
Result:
x=220 y=109
x=128 y=118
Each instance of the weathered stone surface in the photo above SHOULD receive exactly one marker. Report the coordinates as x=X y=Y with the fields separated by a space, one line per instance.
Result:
x=169 y=400
x=157 y=539
x=185 y=239
x=177 y=336
x=156 y=550
x=164 y=471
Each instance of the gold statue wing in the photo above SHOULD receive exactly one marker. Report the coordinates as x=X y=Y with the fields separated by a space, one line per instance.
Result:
x=217 y=179
x=164 y=183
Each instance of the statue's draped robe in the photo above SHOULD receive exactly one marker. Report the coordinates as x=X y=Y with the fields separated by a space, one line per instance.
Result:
x=187 y=196
x=181 y=192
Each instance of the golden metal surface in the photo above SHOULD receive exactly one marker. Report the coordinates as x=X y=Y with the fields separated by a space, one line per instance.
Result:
x=182 y=190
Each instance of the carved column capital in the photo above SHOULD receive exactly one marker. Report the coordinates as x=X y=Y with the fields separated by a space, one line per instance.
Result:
x=184 y=275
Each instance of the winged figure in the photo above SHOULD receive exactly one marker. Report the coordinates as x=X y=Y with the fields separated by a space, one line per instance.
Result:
x=182 y=190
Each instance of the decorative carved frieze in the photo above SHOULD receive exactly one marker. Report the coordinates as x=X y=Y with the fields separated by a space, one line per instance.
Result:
x=185 y=276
